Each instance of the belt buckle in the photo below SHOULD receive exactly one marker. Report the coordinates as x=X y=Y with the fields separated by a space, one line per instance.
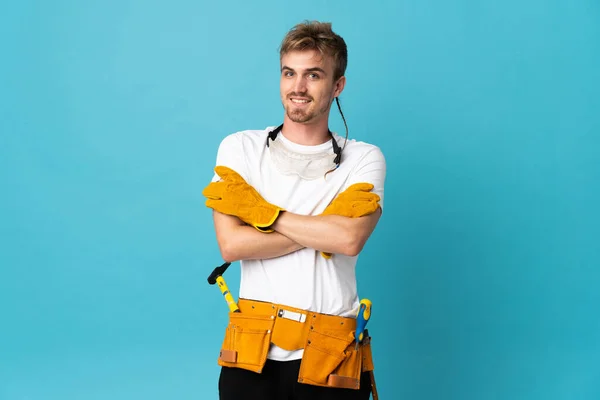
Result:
x=292 y=315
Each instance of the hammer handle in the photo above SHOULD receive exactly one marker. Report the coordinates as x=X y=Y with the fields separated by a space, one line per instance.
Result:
x=227 y=294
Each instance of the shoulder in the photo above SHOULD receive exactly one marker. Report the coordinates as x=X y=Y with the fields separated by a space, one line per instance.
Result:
x=247 y=137
x=243 y=143
x=358 y=151
x=241 y=150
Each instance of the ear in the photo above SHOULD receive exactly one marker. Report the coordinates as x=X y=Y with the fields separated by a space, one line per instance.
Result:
x=339 y=86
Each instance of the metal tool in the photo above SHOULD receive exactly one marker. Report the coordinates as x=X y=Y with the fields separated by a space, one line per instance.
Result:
x=364 y=314
x=217 y=277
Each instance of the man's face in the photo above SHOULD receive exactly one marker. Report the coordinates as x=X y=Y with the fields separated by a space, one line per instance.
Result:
x=307 y=86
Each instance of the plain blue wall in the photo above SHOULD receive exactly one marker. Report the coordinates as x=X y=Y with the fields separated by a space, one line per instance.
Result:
x=484 y=270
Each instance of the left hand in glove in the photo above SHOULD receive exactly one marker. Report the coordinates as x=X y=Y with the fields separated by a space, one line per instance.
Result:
x=354 y=202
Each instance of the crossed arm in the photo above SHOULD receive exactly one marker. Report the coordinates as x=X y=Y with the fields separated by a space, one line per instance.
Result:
x=328 y=233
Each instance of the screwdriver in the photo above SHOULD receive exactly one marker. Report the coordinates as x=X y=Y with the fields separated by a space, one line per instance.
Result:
x=364 y=313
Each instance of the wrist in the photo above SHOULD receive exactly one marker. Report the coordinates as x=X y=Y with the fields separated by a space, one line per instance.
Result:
x=270 y=226
x=280 y=220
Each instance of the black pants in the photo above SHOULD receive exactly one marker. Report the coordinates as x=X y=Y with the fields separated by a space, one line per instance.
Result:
x=279 y=381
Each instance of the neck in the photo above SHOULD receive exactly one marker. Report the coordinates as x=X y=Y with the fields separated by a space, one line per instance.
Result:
x=306 y=134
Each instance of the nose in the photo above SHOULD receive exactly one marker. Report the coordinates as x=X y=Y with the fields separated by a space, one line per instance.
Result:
x=300 y=84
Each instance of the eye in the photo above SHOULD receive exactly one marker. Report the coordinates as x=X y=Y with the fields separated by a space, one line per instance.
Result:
x=313 y=76
x=288 y=73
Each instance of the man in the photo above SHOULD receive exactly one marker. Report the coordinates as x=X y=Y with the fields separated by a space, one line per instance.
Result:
x=295 y=204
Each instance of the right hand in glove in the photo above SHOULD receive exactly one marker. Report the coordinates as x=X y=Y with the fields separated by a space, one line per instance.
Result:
x=234 y=196
x=354 y=202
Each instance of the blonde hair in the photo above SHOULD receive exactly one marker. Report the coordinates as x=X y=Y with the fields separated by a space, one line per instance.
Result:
x=315 y=35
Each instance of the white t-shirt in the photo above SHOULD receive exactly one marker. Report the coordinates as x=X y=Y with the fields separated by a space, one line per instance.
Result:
x=302 y=279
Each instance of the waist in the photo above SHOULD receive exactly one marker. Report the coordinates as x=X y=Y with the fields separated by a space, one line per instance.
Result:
x=292 y=325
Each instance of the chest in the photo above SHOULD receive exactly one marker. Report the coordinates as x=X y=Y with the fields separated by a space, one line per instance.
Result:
x=291 y=192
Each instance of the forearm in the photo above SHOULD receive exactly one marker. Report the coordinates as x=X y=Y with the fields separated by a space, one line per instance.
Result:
x=246 y=243
x=327 y=233
x=238 y=241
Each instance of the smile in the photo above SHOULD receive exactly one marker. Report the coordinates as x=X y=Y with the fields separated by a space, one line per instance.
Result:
x=299 y=101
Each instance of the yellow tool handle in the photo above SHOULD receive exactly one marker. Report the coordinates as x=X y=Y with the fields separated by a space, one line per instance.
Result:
x=227 y=294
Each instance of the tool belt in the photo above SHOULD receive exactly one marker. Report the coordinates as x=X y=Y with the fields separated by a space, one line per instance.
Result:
x=330 y=358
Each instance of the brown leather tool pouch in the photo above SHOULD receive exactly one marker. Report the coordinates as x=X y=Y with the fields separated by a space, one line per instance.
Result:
x=330 y=359
x=246 y=342
x=330 y=356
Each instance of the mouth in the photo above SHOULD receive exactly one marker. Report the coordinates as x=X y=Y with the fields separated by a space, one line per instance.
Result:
x=300 y=101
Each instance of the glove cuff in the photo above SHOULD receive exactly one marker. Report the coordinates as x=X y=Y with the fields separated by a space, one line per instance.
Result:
x=266 y=227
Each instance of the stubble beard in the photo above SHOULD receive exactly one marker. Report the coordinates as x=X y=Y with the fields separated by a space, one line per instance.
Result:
x=300 y=116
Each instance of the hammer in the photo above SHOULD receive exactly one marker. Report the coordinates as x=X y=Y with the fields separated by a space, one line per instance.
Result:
x=217 y=277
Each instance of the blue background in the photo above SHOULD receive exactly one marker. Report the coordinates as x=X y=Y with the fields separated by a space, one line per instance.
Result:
x=484 y=270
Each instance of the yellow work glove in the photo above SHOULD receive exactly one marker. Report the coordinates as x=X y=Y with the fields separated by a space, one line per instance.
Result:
x=232 y=195
x=356 y=201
